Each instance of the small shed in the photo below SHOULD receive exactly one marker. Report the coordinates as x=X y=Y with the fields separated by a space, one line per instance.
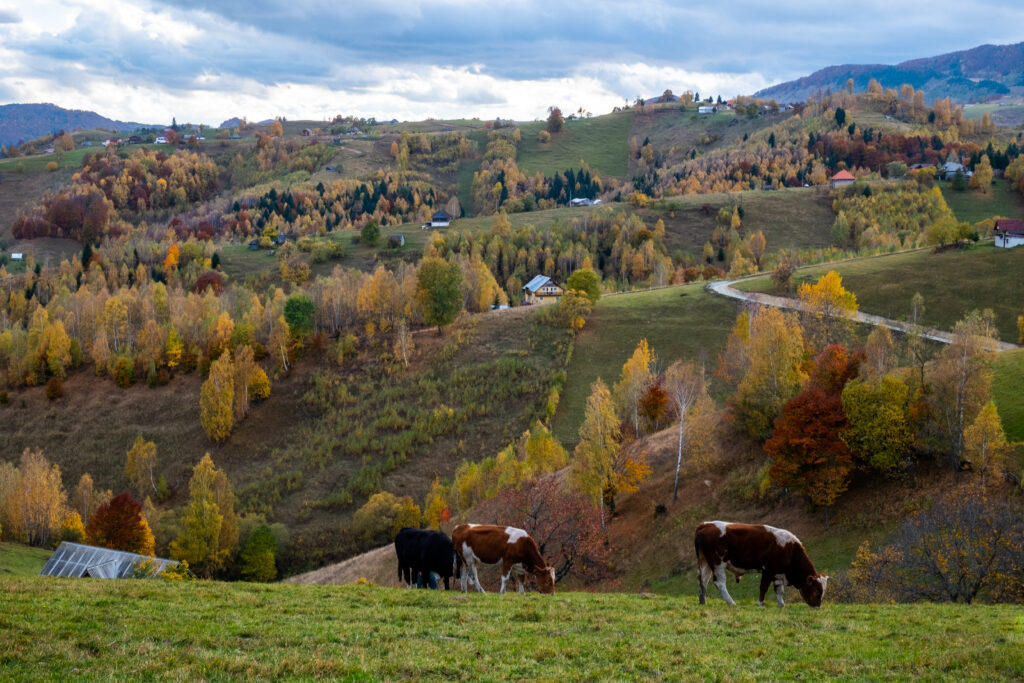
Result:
x=254 y=245
x=541 y=288
x=842 y=179
x=17 y=256
x=280 y=239
x=78 y=560
x=440 y=219
x=1009 y=232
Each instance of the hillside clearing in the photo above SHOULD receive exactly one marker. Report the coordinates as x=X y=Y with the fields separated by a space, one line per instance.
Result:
x=22 y=560
x=601 y=141
x=973 y=206
x=142 y=629
x=678 y=322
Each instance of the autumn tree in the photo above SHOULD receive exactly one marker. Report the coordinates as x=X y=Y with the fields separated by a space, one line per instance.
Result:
x=985 y=443
x=276 y=129
x=119 y=525
x=86 y=499
x=438 y=291
x=879 y=431
x=217 y=398
x=637 y=372
x=298 y=313
x=808 y=453
x=961 y=381
x=209 y=531
x=827 y=307
x=880 y=352
x=370 y=234
x=33 y=503
x=404 y=344
x=593 y=459
x=585 y=280
x=564 y=525
x=773 y=376
x=140 y=462
x=983 y=174
x=555 y=120
x=382 y=516
x=686 y=388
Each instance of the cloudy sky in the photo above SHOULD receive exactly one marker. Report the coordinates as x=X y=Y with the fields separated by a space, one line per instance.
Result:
x=411 y=59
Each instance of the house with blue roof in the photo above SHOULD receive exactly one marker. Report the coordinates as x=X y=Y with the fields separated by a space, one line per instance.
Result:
x=541 y=288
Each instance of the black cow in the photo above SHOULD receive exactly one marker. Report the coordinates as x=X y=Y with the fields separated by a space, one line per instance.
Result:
x=422 y=553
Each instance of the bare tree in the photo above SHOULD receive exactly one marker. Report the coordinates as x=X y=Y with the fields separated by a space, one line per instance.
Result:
x=685 y=385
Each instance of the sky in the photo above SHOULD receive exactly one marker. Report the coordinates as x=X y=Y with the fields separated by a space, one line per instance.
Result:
x=204 y=62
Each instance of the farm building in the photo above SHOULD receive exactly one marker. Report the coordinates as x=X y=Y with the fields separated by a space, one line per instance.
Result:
x=842 y=179
x=1009 y=232
x=540 y=288
x=396 y=240
x=78 y=560
x=440 y=219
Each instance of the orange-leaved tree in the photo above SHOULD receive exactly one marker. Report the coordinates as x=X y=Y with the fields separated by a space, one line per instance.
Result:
x=118 y=524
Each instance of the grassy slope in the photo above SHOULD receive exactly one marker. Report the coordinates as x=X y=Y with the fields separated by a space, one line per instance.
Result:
x=678 y=322
x=973 y=206
x=952 y=284
x=97 y=629
x=1007 y=385
x=22 y=560
x=601 y=141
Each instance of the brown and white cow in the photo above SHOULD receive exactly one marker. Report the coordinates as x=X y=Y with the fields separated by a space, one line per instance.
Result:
x=744 y=548
x=490 y=544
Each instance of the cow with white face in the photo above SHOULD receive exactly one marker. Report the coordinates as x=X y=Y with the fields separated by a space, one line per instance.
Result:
x=492 y=544
x=742 y=548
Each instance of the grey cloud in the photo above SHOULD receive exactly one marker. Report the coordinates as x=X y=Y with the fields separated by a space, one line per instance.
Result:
x=9 y=16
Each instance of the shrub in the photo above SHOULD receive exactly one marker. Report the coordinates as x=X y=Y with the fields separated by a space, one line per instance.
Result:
x=543 y=137
x=4 y=398
x=54 y=389
x=124 y=372
x=51 y=166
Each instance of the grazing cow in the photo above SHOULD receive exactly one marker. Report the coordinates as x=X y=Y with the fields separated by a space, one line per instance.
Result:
x=491 y=544
x=423 y=553
x=743 y=548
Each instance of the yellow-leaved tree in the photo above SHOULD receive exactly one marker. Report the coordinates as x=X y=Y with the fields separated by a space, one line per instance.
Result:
x=827 y=308
x=636 y=375
x=209 y=530
x=593 y=460
x=140 y=462
x=985 y=443
x=216 y=399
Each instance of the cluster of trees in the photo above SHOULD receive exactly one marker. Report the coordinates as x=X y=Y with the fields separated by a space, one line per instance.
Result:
x=897 y=216
x=36 y=509
x=850 y=410
x=344 y=204
x=274 y=157
x=108 y=185
x=421 y=153
x=619 y=246
x=499 y=185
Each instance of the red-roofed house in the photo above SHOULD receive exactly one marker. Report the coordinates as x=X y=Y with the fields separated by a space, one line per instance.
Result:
x=842 y=179
x=1009 y=232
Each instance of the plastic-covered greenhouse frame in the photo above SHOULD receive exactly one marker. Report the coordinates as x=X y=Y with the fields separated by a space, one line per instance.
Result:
x=78 y=560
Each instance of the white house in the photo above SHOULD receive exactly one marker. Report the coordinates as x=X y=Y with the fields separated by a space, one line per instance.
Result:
x=1009 y=232
x=440 y=219
x=540 y=288
x=17 y=256
x=706 y=109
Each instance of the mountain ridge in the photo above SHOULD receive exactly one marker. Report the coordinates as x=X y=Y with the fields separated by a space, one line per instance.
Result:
x=23 y=122
x=981 y=73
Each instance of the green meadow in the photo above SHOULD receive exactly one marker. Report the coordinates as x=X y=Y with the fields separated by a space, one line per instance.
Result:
x=55 y=630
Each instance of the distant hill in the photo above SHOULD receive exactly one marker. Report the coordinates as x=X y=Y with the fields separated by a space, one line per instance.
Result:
x=981 y=73
x=22 y=122
x=231 y=123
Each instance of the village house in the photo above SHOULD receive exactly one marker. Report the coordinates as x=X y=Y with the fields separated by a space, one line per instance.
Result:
x=1009 y=232
x=842 y=179
x=440 y=219
x=541 y=288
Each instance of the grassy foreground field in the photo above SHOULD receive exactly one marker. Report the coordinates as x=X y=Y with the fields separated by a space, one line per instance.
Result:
x=88 y=630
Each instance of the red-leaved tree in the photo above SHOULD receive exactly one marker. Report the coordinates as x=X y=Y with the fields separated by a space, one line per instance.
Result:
x=807 y=452
x=119 y=525
x=565 y=526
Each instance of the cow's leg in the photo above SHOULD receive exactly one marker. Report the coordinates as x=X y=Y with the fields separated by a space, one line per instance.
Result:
x=703 y=576
x=720 y=583
x=476 y=577
x=519 y=581
x=766 y=580
x=780 y=589
x=463 y=576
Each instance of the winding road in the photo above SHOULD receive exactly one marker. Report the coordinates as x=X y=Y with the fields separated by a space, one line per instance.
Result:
x=725 y=288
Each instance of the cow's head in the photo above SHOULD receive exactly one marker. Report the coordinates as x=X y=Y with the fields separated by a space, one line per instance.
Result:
x=813 y=589
x=545 y=579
